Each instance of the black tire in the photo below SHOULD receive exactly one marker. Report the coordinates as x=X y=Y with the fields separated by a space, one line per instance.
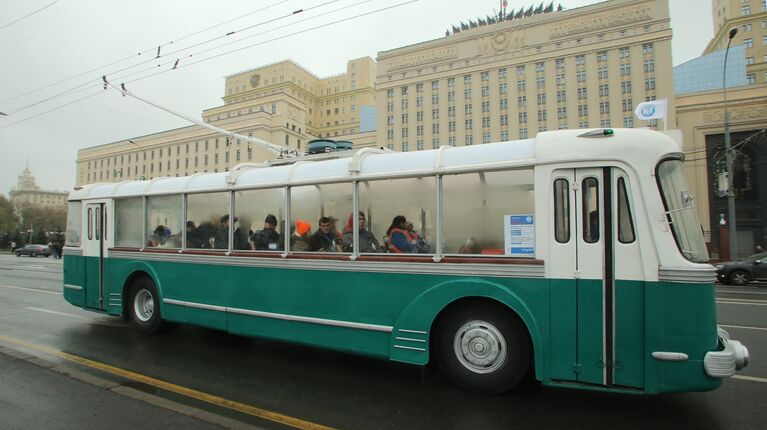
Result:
x=483 y=347
x=739 y=278
x=33 y=255
x=144 y=306
x=18 y=254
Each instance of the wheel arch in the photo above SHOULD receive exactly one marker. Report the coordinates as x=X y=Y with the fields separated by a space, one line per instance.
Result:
x=135 y=271
x=416 y=326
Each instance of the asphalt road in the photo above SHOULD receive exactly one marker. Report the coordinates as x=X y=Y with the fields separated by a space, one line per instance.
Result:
x=276 y=385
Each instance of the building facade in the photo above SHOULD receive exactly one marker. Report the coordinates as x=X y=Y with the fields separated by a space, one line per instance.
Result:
x=750 y=18
x=579 y=68
x=27 y=193
x=281 y=103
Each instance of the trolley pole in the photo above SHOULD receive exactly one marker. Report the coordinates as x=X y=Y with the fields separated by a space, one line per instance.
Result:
x=728 y=157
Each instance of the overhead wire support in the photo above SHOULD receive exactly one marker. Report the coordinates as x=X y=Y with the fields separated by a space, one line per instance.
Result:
x=281 y=151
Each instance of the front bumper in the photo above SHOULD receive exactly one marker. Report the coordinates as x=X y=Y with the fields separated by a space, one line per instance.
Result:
x=723 y=364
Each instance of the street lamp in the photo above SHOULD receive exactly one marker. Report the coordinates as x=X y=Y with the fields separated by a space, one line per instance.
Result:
x=728 y=156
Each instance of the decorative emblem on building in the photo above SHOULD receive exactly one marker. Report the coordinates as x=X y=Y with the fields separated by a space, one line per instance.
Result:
x=600 y=22
x=500 y=42
x=255 y=80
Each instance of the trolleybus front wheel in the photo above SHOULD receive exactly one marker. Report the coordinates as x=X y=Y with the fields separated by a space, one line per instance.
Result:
x=484 y=348
x=144 y=306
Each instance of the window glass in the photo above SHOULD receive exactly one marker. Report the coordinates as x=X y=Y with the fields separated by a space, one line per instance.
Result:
x=625 y=223
x=259 y=219
x=206 y=216
x=163 y=222
x=74 y=223
x=97 y=222
x=128 y=224
x=329 y=203
x=90 y=223
x=400 y=214
x=590 y=210
x=476 y=205
x=681 y=213
x=562 y=210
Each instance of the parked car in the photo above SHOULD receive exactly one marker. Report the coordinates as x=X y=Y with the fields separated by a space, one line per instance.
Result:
x=34 y=251
x=741 y=272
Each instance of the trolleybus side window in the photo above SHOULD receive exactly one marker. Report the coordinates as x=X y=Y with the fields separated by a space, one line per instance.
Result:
x=97 y=221
x=625 y=222
x=475 y=206
x=90 y=223
x=311 y=202
x=128 y=215
x=590 y=210
x=562 y=210
x=74 y=224
x=400 y=213
x=204 y=215
x=256 y=212
x=163 y=221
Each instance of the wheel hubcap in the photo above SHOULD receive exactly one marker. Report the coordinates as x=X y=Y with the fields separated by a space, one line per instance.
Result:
x=740 y=278
x=143 y=305
x=480 y=346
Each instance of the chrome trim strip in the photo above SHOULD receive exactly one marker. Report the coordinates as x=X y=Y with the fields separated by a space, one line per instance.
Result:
x=410 y=339
x=73 y=287
x=72 y=251
x=670 y=356
x=284 y=317
x=467 y=269
x=697 y=275
x=410 y=348
x=403 y=330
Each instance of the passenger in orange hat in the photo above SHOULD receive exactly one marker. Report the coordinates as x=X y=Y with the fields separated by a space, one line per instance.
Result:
x=300 y=239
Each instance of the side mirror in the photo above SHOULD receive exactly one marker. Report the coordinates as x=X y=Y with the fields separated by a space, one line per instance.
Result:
x=758 y=262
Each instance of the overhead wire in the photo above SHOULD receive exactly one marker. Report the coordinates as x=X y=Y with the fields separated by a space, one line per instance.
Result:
x=101 y=67
x=29 y=14
x=82 y=88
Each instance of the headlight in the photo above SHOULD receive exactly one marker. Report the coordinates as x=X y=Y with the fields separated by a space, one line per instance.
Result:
x=719 y=266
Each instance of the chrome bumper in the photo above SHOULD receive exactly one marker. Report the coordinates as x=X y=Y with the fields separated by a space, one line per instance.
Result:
x=724 y=363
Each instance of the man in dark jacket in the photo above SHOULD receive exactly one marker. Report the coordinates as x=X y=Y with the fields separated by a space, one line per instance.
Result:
x=268 y=239
x=325 y=238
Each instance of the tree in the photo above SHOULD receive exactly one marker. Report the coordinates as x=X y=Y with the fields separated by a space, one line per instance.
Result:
x=39 y=236
x=8 y=219
x=45 y=219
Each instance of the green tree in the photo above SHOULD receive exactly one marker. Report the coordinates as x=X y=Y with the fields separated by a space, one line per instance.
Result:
x=8 y=219
x=45 y=219
x=39 y=236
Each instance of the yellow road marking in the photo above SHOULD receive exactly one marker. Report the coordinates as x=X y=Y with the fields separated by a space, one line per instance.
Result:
x=188 y=392
x=749 y=378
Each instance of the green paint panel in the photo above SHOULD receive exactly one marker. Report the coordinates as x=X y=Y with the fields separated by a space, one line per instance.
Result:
x=563 y=329
x=590 y=331
x=629 y=332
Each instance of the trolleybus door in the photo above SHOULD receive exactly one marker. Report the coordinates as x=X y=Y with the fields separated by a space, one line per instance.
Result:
x=584 y=255
x=93 y=250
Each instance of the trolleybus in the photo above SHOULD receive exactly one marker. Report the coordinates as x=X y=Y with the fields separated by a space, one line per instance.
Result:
x=576 y=257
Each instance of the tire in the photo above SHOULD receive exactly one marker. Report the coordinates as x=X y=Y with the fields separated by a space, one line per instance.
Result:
x=144 y=306
x=18 y=254
x=33 y=255
x=484 y=347
x=739 y=278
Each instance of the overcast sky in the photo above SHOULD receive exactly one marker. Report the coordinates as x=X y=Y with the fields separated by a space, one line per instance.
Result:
x=70 y=37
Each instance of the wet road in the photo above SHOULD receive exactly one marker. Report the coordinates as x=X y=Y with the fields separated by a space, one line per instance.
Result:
x=311 y=386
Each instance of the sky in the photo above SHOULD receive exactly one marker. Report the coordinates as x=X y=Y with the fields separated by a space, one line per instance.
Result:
x=45 y=42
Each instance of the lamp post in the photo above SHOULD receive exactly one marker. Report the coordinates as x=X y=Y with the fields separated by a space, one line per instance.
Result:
x=728 y=156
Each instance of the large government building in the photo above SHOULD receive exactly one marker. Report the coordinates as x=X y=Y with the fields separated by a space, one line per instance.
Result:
x=28 y=193
x=500 y=79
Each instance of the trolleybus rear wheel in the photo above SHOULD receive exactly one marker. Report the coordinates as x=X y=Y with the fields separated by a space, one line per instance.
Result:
x=484 y=347
x=144 y=306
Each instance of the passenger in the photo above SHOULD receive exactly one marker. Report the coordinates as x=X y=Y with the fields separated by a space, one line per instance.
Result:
x=221 y=238
x=206 y=234
x=300 y=240
x=399 y=239
x=267 y=239
x=368 y=242
x=160 y=235
x=326 y=238
x=193 y=239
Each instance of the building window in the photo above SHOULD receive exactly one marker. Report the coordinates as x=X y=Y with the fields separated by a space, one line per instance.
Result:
x=745 y=9
x=469 y=140
x=404 y=132
x=748 y=42
x=581 y=93
x=601 y=56
x=502 y=73
x=605 y=123
x=522 y=117
x=404 y=90
x=467 y=109
x=504 y=119
x=503 y=88
x=560 y=79
x=541 y=98
x=419 y=101
x=628 y=105
x=468 y=124
x=523 y=133
x=485 y=122
x=451 y=111
x=628 y=122
x=467 y=80
x=389 y=93
x=434 y=99
x=486 y=137
x=539 y=67
x=450 y=82
x=467 y=93
x=521 y=85
x=419 y=116
x=419 y=88
x=649 y=84
x=580 y=60
x=404 y=118
x=602 y=73
x=750 y=60
x=522 y=101
x=561 y=96
x=647 y=48
x=542 y=115
x=603 y=90
x=751 y=78
x=626 y=69
x=649 y=66
x=626 y=87
x=485 y=76
x=434 y=85
x=604 y=107
x=580 y=76
x=624 y=53
x=561 y=112
x=583 y=110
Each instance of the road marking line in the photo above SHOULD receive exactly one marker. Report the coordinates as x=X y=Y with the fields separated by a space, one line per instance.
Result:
x=749 y=378
x=37 y=290
x=742 y=292
x=178 y=389
x=744 y=327
x=727 y=302
x=55 y=312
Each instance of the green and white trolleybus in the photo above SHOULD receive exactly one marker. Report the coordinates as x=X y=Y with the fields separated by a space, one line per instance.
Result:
x=576 y=257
